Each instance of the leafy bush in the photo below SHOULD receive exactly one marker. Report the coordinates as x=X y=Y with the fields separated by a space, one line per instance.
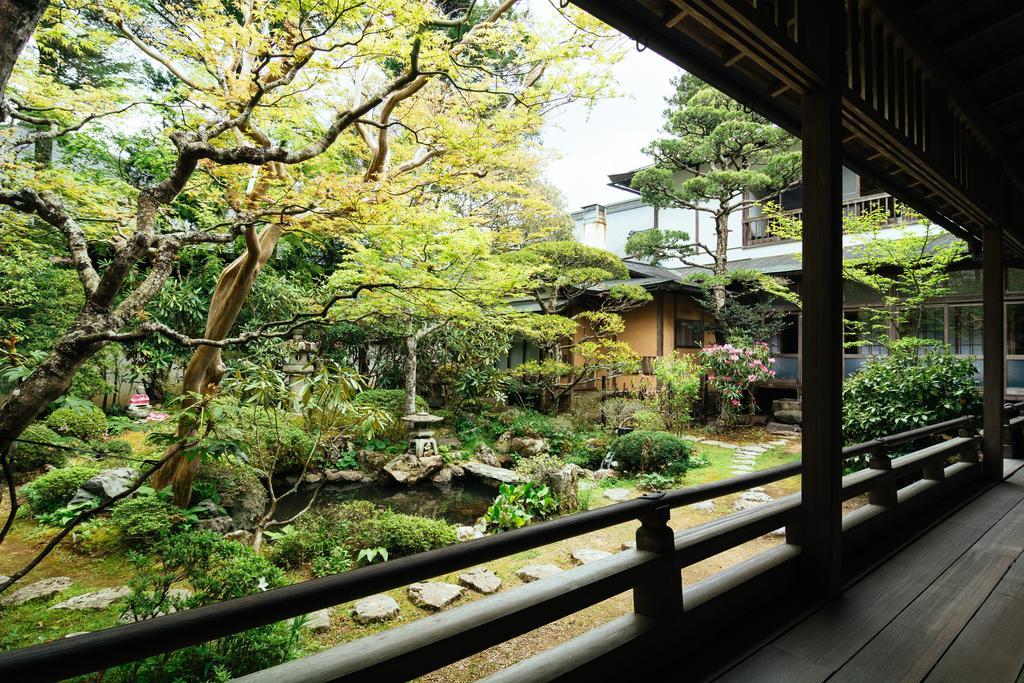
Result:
x=733 y=370
x=27 y=457
x=115 y=448
x=276 y=439
x=320 y=539
x=678 y=389
x=619 y=411
x=516 y=506
x=85 y=423
x=144 y=519
x=53 y=489
x=652 y=481
x=214 y=570
x=907 y=389
x=564 y=440
x=402 y=534
x=235 y=487
x=648 y=420
x=640 y=452
x=390 y=400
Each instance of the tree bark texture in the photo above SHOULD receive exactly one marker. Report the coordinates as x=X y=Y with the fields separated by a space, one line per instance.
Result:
x=18 y=20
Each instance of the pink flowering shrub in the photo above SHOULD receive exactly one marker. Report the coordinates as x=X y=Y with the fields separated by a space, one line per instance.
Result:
x=732 y=370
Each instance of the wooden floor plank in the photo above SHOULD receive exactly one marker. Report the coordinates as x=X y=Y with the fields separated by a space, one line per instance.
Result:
x=911 y=644
x=821 y=644
x=991 y=646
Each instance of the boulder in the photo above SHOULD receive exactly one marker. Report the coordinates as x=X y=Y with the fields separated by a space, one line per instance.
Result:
x=467 y=533
x=704 y=506
x=106 y=484
x=494 y=476
x=40 y=590
x=347 y=476
x=443 y=476
x=435 y=595
x=528 y=446
x=756 y=497
x=313 y=478
x=481 y=580
x=503 y=444
x=789 y=417
x=564 y=484
x=375 y=609
x=241 y=536
x=605 y=474
x=484 y=454
x=100 y=599
x=409 y=469
x=582 y=556
x=782 y=429
x=536 y=572
x=207 y=508
x=785 y=404
x=318 y=621
x=218 y=525
x=372 y=461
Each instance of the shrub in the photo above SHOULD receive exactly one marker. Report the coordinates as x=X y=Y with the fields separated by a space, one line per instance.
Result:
x=27 y=457
x=115 y=448
x=402 y=534
x=640 y=452
x=392 y=401
x=276 y=439
x=320 y=538
x=144 y=519
x=53 y=489
x=678 y=389
x=82 y=422
x=518 y=505
x=733 y=370
x=214 y=570
x=907 y=389
x=619 y=411
x=648 y=420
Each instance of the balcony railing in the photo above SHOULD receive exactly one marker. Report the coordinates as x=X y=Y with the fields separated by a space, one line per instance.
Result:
x=756 y=233
x=908 y=484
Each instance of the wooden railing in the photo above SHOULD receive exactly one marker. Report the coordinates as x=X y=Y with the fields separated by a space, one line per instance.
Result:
x=651 y=572
x=756 y=228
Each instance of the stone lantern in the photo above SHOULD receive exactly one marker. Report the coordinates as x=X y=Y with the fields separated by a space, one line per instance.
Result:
x=300 y=363
x=422 y=443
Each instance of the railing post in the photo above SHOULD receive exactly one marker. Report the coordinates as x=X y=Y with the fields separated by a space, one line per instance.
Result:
x=969 y=453
x=660 y=595
x=992 y=347
x=885 y=493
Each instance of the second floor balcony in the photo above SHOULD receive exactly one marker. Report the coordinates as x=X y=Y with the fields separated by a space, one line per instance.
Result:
x=757 y=229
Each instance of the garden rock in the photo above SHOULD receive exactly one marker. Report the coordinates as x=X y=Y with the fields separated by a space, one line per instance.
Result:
x=536 y=572
x=409 y=469
x=528 y=446
x=785 y=404
x=481 y=579
x=582 y=556
x=313 y=478
x=618 y=495
x=207 y=508
x=318 y=621
x=443 y=476
x=100 y=599
x=704 y=505
x=350 y=476
x=503 y=444
x=564 y=484
x=742 y=504
x=494 y=476
x=789 y=417
x=484 y=454
x=375 y=609
x=4 y=579
x=241 y=536
x=106 y=484
x=435 y=595
x=39 y=590
x=468 y=533
x=756 y=497
x=218 y=525
x=629 y=545
x=372 y=461
x=451 y=442
x=780 y=429
x=605 y=474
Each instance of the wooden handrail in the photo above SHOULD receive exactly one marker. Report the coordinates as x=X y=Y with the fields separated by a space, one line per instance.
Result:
x=119 y=645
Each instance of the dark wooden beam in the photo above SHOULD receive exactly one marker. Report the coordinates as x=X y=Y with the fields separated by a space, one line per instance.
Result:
x=820 y=532
x=992 y=348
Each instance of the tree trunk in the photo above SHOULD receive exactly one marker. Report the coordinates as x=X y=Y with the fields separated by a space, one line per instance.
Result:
x=721 y=260
x=205 y=369
x=411 y=344
x=18 y=20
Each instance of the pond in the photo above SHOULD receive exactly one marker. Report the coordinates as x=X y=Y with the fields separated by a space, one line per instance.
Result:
x=461 y=502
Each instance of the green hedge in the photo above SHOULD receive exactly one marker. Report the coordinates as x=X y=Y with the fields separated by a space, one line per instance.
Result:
x=28 y=457
x=144 y=519
x=643 y=451
x=85 y=423
x=54 y=489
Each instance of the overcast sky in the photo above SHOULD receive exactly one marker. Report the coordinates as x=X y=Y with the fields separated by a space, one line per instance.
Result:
x=609 y=138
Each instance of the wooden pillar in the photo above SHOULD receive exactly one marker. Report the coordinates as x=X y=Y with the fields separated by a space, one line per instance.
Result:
x=992 y=345
x=821 y=32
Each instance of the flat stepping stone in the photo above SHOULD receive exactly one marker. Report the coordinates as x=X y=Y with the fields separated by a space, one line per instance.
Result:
x=375 y=609
x=536 y=572
x=740 y=505
x=318 y=621
x=742 y=468
x=704 y=505
x=756 y=497
x=757 y=489
x=39 y=590
x=745 y=461
x=100 y=599
x=755 y=449
x=481 y=579
x=617 y=495
x=434 y=595
x=582 y=556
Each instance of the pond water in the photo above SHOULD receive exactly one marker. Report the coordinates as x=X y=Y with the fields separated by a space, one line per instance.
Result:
x=461 y=502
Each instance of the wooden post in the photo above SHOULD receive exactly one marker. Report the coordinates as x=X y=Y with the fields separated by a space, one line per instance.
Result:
x=821 y=30
x=992 y=346
x=660 y=595
x=885 y=494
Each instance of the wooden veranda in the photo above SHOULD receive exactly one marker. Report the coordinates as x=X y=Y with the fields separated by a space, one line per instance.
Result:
x=925 y=96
